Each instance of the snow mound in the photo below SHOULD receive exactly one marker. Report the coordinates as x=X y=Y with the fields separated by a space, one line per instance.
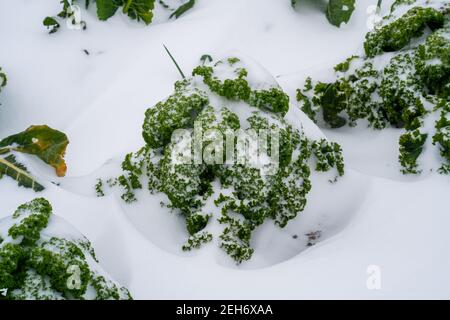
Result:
x=42 y=256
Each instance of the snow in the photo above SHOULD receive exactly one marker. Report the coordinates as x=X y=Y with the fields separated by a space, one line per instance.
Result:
x=373 y=216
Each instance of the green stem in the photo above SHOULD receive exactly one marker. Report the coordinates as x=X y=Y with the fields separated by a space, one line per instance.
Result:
x=176 y=64
x=127 y=6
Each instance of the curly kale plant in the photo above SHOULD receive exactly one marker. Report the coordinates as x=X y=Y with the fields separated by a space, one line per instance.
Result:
x=207 y=109
x=403 y=81
x=140 y=10
x=36 y=264
x=399 y=33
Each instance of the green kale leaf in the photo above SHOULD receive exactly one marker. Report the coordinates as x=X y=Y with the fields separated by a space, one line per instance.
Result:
x=42 y=141
x=339 y=11
x=10 y=167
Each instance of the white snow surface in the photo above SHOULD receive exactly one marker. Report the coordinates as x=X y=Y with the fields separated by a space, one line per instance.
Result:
x=374 y=216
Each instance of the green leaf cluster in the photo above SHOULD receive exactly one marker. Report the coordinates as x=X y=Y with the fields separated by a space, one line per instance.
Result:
x=399 y=83
x=399 y=33
x=238 y=88
x=244 y=196
x=37 y=266
x=139 y=10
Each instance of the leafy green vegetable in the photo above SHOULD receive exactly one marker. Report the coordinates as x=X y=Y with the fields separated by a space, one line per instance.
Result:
x=410 y=89
x=36 y=265
x=44 y=142
x=396 y=35
x=339 y=11
x=202 y=103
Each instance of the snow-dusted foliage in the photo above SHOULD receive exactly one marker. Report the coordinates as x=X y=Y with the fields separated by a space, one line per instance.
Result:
x=403 y=80
x=228 y=96
x=42 y=257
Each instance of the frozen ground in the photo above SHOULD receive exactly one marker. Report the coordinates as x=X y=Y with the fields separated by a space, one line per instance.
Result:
x=373 y=217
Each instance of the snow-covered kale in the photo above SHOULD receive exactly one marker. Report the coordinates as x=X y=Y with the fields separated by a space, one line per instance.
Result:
x=238 y=88
x=178 y=111
x=399 y=33
x=403 y=81
x=432 y=62
x=35 y=264
x=218 y=100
